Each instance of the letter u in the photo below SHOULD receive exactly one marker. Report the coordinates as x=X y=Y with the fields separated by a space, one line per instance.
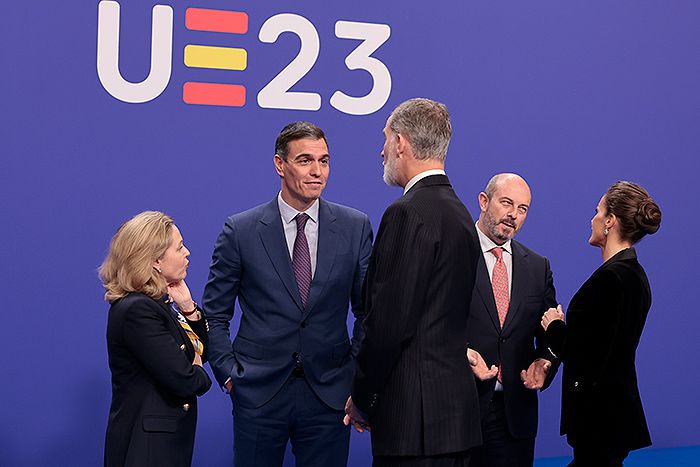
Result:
x=108 y=54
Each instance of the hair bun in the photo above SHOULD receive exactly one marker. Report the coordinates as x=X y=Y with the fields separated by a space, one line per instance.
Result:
x=648 y=216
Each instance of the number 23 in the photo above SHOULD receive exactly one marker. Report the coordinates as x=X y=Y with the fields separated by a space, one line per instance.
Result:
x=276 y=94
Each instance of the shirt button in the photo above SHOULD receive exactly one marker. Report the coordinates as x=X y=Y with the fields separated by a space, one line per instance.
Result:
x=295 y=356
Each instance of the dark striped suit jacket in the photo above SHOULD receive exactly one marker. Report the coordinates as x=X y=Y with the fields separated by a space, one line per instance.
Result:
x=412 y=377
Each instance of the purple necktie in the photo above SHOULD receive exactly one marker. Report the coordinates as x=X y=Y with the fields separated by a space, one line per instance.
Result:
x=301 y=259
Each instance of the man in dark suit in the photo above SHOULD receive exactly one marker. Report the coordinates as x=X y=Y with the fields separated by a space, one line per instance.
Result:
x=514 y=287
x=412 y=383
x=294 y=264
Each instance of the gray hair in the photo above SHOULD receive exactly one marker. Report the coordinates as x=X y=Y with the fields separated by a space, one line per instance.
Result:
x=426 y=125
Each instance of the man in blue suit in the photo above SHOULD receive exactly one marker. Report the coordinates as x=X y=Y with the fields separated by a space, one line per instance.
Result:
x=294 y=264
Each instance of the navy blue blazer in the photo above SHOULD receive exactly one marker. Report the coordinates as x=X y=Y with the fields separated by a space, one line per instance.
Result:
x=251 y=263
x=520 y=341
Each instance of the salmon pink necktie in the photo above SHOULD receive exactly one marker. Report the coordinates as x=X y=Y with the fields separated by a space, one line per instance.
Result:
x=499 y=283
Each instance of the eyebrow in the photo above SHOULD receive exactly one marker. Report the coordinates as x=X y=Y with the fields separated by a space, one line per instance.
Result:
x=305 y=155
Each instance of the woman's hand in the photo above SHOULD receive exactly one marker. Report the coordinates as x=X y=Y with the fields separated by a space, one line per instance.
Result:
x=181 y=295
x=553 y=314
x=197 y=359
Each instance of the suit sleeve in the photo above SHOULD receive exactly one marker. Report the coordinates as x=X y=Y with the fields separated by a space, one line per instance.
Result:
x=219 y=301
x=597 y=327
x=356 y=301
x=542 y=348
x=148 y=338
x=396 y=295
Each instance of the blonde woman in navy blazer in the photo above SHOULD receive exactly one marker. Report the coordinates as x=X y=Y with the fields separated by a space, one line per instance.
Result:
x=156 y=339
x=602 y=414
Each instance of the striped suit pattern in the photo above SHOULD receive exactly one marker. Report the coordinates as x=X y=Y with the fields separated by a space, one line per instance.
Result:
x=412 y=377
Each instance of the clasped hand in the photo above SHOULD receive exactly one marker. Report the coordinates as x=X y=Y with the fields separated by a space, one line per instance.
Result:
x=553 y=314
x=354 y=416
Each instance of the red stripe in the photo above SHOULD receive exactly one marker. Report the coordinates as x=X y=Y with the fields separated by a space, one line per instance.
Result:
x=230 y=95
x=200 y=19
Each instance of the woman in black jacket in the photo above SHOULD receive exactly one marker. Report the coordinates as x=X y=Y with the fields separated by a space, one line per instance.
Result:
x=156 y=341
x=602 y=414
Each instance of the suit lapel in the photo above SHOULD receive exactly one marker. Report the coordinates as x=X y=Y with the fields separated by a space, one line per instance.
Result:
x=485 y=290
x=519 y=284
x=325 y=254
x=273 y=239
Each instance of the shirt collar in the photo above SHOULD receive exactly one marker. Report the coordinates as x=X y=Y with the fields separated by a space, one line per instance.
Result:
x=288 y=213
x=487 y=244
x=421 y=176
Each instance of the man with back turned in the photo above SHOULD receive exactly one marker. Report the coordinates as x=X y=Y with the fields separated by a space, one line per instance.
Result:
x=412 y=384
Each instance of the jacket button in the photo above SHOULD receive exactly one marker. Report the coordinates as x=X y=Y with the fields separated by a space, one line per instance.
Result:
x=502 y=340
x=182 y=347
x=303 y=324
x=185 y=407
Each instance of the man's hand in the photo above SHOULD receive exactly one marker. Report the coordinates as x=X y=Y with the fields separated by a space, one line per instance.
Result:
x=479 y=367
x=355 y=416
x=536 y=374
x=553 y=314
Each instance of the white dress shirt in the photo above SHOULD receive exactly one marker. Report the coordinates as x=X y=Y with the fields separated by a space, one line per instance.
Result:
x=421 y=176
x=490 y=259
x=288 y=214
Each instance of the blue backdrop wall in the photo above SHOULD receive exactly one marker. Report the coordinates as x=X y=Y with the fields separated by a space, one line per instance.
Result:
x=572 y=95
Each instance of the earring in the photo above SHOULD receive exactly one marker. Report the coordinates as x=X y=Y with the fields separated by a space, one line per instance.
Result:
x=604 y=231
x=160 y=272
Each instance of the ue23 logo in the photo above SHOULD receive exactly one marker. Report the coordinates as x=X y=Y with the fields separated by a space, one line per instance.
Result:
x=275 y=94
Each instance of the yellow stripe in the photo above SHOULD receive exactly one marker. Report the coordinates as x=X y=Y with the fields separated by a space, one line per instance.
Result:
x=222 y=58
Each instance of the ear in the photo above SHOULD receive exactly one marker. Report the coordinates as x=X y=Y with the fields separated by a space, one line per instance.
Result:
x=279 y=165
x=611 y=221
x=401 y=145
x=483 y=201
x=156 y=265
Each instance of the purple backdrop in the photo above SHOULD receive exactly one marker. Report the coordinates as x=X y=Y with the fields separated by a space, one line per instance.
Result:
x=572 y=95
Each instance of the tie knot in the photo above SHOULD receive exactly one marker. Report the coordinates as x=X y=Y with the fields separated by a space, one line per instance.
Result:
x=498 y=252
x=301 y=218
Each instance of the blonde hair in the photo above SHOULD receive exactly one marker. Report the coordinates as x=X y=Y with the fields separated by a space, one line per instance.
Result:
x=128 y=266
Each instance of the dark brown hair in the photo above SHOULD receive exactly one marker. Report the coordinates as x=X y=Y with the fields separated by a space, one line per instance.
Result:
x=637 y=213
x=295 y=131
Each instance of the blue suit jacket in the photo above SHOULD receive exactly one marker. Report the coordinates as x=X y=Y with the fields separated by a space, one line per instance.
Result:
x=251 y=262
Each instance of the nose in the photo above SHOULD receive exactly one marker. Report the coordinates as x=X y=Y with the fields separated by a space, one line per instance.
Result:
x=187 y=251
x=316 y=168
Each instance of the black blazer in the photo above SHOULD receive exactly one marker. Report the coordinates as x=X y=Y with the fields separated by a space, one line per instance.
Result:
x=601 y=407
x=154 y=385
x=532 y=293
x=412 y=377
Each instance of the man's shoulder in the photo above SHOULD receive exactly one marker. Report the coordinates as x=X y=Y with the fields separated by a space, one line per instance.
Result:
x=344 y=212
x=252 y=214
x=522 y=250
